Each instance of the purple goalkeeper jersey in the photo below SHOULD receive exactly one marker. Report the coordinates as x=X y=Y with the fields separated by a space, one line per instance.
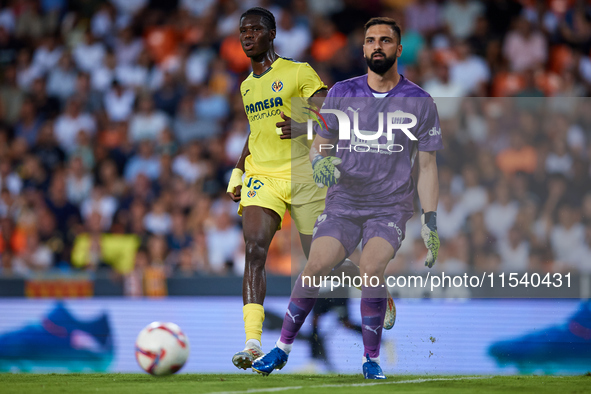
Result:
x=377 y=173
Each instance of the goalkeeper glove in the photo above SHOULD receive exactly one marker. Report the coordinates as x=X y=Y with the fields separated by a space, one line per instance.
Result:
x=324 y=170
x=430 y=237
x=235 y=180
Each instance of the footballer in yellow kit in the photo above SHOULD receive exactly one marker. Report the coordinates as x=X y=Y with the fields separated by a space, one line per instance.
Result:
x=269 y=179
x=270 y=182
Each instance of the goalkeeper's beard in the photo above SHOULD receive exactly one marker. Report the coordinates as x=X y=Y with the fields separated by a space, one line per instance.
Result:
x=381 y=66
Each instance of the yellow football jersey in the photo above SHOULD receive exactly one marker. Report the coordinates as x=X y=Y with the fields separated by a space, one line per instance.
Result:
x=265 y=96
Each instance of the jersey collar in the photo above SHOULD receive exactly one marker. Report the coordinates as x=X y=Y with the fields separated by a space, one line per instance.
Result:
x=263 y=73
x=392 y=92
x=267 y=70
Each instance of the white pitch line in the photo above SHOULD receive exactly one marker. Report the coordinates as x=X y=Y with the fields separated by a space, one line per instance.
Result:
x=274 y=389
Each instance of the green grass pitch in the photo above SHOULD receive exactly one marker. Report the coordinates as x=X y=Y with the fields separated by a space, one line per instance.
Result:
x=286 y=383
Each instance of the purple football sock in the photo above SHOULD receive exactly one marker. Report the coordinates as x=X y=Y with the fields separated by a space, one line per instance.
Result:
x=301 y=302
x=373 y=310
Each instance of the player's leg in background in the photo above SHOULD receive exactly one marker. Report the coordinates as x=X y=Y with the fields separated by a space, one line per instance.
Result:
x=349 y=269
x=346 y=266
x=374 y=259
x=325 y=253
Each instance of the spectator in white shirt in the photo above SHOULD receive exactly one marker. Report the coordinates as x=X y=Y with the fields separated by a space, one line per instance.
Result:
x=48 y=54
x=567 y=237
x=158 y=221
x=118 y=102
x=8 y=178
x=190 y=166
x=441 y=88
x=460 y=17
x=61 y=80
x=475 y=197
x=292 y=40
x=525 y=48
x=197 y=65
x=101 y=23
x=143 y=162
x=7 y=19
x=129 y=8
x=236 y=139
x=500 y=216
x=423 y=16
x=78 y=181
x=228 y=18
x=27 y=71
x=514 y=252
x=37 y=257
x=469 y=70
x=559 y=161
x=89 y=53
x=211 y=106
x=127 y=47
x=68 y=125
x=103 y=75
x=102 y=203
x=223 y=239
x=141 y=75
x=451 y=215
x=188 y=128
x=197 y=7
x=148 y=122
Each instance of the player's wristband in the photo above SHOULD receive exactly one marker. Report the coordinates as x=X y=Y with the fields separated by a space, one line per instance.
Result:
x=430 y=219
x=316 y=159
x=235 y=180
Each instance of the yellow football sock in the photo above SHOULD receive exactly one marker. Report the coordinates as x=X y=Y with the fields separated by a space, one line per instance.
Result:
x=254 y=315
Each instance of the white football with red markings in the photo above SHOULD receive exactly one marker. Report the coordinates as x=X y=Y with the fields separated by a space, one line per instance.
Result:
x=161 y=348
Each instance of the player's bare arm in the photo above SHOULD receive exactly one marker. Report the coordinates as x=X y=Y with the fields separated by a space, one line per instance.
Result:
x=428 y=183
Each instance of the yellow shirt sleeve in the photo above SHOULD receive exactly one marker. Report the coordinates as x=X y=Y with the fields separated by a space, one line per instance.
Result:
x=308 y=81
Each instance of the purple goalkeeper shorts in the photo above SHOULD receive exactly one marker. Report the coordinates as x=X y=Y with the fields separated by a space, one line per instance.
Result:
x=350 y=227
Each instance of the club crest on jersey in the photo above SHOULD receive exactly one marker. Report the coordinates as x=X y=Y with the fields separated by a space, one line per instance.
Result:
x=251 y=194
x=277 y=86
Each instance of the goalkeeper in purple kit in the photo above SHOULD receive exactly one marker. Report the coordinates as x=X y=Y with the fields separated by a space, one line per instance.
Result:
x=370 y=188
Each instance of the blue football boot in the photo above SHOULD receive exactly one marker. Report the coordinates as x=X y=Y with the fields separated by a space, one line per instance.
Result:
x=58 y=342
x=372 y=370
x=275 y=359
x=564 y=348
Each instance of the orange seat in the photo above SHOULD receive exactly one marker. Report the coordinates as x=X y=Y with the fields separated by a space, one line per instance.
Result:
x=561 y=58
x=548 y=82
x=231 y=51
x=507 y=84
x=324 y=49
x=161 y=42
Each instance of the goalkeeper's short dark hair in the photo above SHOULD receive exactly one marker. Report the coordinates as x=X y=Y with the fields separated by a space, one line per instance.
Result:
x=382 y=20
x=268 y=18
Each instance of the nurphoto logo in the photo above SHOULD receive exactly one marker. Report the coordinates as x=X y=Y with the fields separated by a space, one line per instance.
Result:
x=360 y=139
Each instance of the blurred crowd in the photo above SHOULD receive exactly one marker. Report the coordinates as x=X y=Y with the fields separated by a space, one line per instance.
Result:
x=120 y=121
x=515 y=187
